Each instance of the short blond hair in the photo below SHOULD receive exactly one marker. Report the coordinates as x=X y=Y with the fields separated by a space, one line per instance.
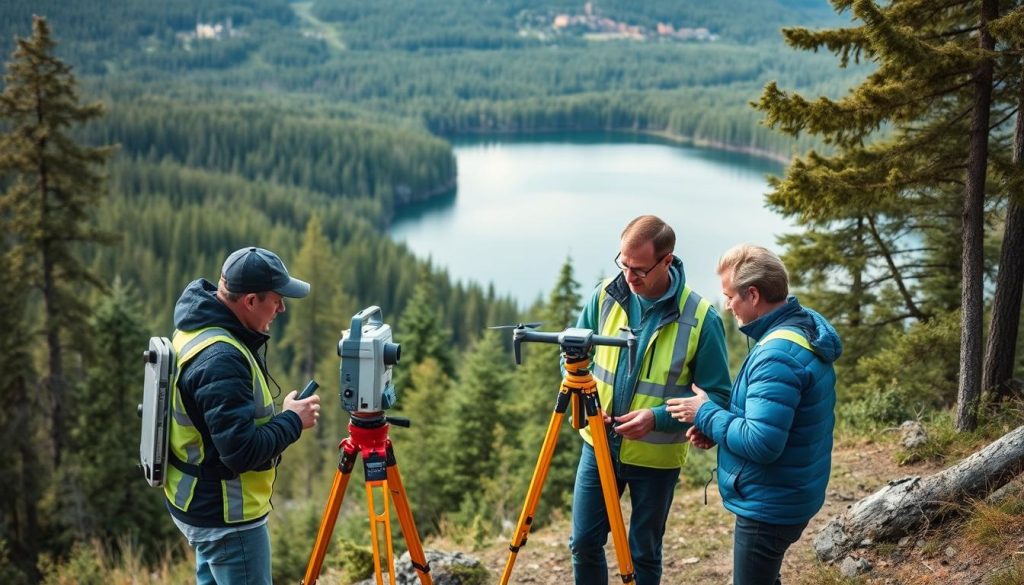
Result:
x=650 y=228
x=758 y=267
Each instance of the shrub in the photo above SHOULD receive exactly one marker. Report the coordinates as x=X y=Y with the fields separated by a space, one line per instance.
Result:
x=915 y=370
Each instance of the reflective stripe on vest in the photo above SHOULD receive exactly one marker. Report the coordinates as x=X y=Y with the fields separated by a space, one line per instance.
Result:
x=664 y=373
x=788 y=335
x=246 y=497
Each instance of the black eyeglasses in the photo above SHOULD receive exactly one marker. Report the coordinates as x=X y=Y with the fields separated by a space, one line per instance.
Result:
x=640 y=273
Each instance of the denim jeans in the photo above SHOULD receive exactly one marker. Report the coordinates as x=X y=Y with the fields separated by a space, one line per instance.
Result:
x=758 y=549
x=650 y=493
x=239 y=557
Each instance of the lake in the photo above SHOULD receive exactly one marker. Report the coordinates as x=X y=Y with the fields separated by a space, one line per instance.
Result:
x=525 y=205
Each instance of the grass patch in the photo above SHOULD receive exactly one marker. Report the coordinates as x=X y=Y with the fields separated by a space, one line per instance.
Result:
x=1013 y=575
x=993 y=525
x=945 y=445
x=824 y=575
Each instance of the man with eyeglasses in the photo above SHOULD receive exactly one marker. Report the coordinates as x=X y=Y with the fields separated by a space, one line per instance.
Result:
x=680 y=342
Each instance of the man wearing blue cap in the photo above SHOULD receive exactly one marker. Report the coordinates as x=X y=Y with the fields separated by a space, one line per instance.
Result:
x=225 y=437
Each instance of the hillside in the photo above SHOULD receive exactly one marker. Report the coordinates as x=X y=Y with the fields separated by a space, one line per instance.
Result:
x=698 y=545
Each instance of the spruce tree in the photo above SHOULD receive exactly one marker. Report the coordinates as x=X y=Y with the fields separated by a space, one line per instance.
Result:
x=52 y=186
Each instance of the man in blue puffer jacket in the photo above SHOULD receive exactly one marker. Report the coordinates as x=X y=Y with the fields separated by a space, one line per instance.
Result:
x=775 y=437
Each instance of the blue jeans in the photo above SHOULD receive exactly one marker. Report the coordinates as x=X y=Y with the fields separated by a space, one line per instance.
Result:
x=758 y=549
x=650 y=493
x=240 y=557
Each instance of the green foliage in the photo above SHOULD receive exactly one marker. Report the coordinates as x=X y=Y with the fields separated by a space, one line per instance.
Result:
x=898 y=384
x=51 y=186
x=896 y=215
x=1012 y=575
x=698 y=467
x=473 y=423
x=828 y=575
x=292 y=534
x=9 y=572
x=469 y=575
x=110 y=502
x=85 y=566
x=423 y=450
x=23 y=459
x=355 y=560
x=945 y=444
x=423 y=332
x=537 y=385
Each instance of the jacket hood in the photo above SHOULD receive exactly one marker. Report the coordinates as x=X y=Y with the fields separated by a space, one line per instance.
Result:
x=819 y=332
x=199 y=307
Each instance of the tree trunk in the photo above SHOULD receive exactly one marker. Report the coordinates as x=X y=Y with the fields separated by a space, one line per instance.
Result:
x=909 y=503
x=973 y=261
x=1001 y=348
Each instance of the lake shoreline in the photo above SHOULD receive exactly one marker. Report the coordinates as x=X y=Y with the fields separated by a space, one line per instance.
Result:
x=451 y=186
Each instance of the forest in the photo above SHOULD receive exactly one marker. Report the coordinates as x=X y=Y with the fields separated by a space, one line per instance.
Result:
x=176 y=132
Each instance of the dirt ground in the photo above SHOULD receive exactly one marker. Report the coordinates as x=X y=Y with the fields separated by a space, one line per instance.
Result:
x=698 y=541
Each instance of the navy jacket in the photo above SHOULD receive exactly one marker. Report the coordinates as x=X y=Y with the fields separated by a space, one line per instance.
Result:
x=216 y=389
x=775 y=438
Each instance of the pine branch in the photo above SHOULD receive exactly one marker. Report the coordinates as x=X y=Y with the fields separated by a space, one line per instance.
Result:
x=907 y=299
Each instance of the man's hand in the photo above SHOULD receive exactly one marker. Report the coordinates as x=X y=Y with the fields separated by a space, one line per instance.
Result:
x=699 y=439
x=308 y=409
x=685 y=409
x=635 y=424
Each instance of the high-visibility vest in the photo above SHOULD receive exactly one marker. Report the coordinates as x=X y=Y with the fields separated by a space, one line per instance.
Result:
x=666 y=372
x=247 y=496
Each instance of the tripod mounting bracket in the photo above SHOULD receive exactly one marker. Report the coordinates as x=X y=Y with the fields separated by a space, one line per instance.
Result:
x=574 y=342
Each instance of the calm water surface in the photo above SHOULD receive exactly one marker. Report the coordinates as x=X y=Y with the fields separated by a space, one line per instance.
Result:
x=523 y=207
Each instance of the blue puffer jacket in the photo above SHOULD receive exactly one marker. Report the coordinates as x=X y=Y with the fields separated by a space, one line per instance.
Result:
x=775 y=438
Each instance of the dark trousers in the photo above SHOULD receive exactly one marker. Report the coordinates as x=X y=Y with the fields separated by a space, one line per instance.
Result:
x=758 y=549
x=650 y=492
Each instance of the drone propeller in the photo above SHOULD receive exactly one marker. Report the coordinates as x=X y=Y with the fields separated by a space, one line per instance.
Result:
x=533 y=325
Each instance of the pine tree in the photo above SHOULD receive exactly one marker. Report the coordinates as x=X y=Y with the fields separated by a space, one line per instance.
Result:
x=538 y=381
x=314 y=322
x=21 y=428
x=52 y=186
x=1001 y=346
x=932 y=91
x=102 y=494
x=420 y=449
x=472 y=418
x=422 y=332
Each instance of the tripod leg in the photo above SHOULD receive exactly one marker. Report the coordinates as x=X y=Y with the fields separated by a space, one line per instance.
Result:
x=378 y=519
x=330 y=517
x=540 y=473
x=405 y=518
x=610 y=490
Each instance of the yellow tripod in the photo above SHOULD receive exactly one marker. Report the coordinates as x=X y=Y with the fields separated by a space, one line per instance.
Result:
x=579 y=386
x=369 y=437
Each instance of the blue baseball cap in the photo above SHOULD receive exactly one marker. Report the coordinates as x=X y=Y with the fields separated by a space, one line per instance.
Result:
x=256 y=270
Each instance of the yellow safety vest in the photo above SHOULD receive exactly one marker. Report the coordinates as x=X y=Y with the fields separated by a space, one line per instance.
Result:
x=665 y=373
x=247 y=496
